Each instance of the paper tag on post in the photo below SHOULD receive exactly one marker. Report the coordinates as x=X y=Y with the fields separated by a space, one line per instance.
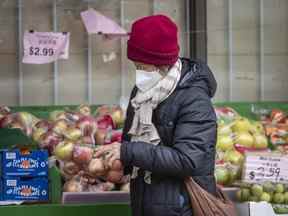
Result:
x=45 y=47
x=96 y=23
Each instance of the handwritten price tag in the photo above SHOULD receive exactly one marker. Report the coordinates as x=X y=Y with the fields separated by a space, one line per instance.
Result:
x=260 y=167
x=45 y=47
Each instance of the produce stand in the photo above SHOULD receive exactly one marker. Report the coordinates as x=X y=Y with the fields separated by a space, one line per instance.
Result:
x=122 y=209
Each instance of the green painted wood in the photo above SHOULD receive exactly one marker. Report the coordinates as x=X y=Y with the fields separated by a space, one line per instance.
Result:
x=66 y=210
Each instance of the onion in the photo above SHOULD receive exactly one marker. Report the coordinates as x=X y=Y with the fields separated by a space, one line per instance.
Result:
x=87 y=125
x=114 y=176
x=87 y=140
x=96 y=167
x=82 y=154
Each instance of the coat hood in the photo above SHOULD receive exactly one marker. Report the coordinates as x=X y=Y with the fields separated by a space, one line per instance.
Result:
x=197 y=74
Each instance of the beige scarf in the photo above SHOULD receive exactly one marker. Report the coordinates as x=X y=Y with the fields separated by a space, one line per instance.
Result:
x=144 y=103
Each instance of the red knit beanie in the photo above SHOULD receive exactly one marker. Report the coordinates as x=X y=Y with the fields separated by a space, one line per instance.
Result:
x=153 y=40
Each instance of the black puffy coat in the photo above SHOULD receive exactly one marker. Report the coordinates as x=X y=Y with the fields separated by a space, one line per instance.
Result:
x=186 y=124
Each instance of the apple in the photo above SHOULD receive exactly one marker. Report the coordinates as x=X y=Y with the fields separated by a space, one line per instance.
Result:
x=279 y=188
x=266 y=197
x=73 y=133
x=241 y=125
x=37 y=133
x=60 y=126
x=57 y=115
x=84 y=110
x=64 y=150
x=224 y=130
x=286 y=198
x=96 y=167
x=114 y=176
x=117 y=116
x=222 y=175
x=82 y=154
x=268 y=187
x=243 y=194
x=100 y=136
x=261 y=141
x=257 y=127
x=233 y=157
x=257 y=190
x=224 y=143
x=244 y=139
x=73 y=186
x=278 y=198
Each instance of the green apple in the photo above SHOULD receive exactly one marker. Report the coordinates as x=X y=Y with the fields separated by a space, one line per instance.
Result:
x=224 y=143
x=244 y=139
x=260 y=141
x=279 y=188
x=224 y=130
x=233 y=157
x=286 y=198
x=222 y=175
x=278 y=198
x=268 y=187
x=265 y=197
x=257 y=190
x=241 y=125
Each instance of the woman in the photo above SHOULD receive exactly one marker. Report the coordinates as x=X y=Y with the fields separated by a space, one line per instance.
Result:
x=170 y=127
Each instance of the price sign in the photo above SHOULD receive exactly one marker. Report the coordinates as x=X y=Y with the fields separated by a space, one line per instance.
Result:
x=260 y=167
x=45 y=47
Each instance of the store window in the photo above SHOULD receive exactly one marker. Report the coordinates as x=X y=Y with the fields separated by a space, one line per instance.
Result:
x=248 y=49
x=97 y=71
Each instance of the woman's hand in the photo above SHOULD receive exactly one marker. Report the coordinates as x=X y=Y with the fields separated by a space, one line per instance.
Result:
x=109 y=153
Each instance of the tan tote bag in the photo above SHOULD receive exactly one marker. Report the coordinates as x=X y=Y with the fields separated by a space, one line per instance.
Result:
x=205 y=204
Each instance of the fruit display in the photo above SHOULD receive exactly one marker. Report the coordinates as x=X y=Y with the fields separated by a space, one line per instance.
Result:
x=275 y=122
x=72 y=137
x=235 y=136
x=274 y=193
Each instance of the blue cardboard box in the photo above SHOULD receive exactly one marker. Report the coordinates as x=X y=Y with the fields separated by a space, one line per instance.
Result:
x=33 y=163
x=34 y=189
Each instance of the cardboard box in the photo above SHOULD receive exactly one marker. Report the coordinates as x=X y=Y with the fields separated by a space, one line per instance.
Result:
x=30 y=164
x=33 y=189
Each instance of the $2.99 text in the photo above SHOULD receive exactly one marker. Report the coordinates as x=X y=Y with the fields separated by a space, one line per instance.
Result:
x=36 y=51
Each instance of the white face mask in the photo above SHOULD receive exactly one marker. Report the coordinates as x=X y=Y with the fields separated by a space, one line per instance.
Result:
x=146 y=80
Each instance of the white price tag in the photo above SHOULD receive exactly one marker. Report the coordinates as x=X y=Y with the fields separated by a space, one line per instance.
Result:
x=45 y=47
x=261 y=167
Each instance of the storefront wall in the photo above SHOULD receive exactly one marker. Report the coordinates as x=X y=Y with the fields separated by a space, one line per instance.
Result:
x=87 y=76
x=247 y=49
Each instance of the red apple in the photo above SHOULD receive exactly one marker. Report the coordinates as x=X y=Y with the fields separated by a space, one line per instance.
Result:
x=82 y=154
